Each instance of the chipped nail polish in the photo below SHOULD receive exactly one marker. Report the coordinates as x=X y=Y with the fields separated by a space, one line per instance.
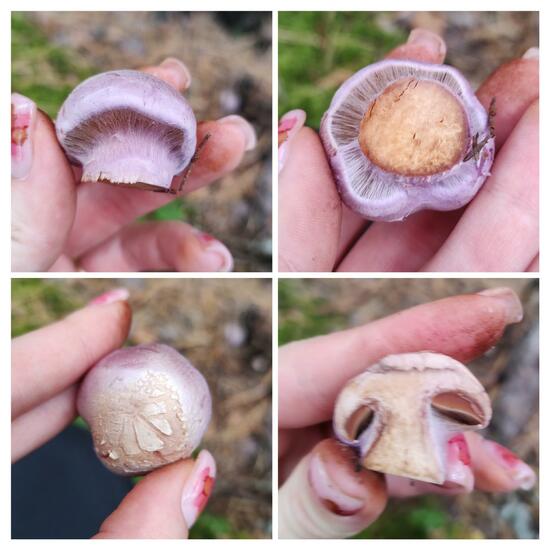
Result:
x=115 y=295
x=520 y=472
x=458 y=442
x=330 y=494
x=289 y=126
x=198 y=487
x=23 y=115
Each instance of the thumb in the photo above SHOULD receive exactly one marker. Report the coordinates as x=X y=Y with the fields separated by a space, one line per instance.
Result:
x=165 y=504
x=43 y=190
x=326 y=496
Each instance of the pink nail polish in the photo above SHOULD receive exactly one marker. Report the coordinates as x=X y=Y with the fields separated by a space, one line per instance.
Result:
x=289 y=126
x=115 y=295
x=520 y=472
x=23 y=114
x=329 y=492
x=459 y=445
x=459 y=477
x=198 y=487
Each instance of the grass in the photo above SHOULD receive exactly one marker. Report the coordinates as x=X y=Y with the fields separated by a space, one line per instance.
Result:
x=46 y=73
x=319 y=50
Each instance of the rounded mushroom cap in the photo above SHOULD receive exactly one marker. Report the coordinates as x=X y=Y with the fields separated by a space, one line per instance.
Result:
x=378 y=193
x=127 y=127
x=147 y=406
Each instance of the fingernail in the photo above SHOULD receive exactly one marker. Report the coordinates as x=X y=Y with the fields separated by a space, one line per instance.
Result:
x=198 y=487
x=180 y=68
x=23 y=116
x=459 y=476
x=511 y=301
x=520 y=472
x=336 y=500
x=531 y=53
x=289 y=126
x=430 y=40
x=245 y=127
x=115 y=295
x=216 y=256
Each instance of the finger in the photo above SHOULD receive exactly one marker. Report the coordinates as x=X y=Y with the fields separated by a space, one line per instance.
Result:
x=38 y=425
x=534 y=266
x=43 y=189
x=504 y=213
x=515 y=86
x=422 y=45
x=496 y=468
x=158 y=246
x=403 y=246
x=295 y=444
x=165 y=504
x=414 y=241
x=309 y=207
x=313 y=371
x=173 y=71
x=223 y=151
x=49 y=360
x=459 y=474
x=327 y=497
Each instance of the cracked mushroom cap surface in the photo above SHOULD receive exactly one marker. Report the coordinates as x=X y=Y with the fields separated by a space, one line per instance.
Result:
x=400 y=413
x=146 y=406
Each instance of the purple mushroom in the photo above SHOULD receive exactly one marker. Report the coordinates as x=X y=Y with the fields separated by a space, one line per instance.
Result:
x=128 y=128
x=146 y=406
x=403 y=136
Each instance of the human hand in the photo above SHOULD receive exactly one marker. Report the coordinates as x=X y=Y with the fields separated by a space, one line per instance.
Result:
x=60 y=224
x=497 y=231
x=47 y=365
x=323 y=494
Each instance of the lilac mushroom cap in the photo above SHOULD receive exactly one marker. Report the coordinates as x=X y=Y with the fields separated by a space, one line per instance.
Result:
x=146 y=406
x=128 y=128
x=403 y=136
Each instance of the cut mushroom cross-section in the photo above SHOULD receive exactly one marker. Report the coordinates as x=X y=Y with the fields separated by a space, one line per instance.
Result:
x=401 y=412
x=403 y=136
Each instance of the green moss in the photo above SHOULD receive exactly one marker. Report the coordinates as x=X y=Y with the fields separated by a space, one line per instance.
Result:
x=175 y=210
x=302 y=316
x=35 y=303
x=417 y=518
x=318 y=50
x=42 y=71
x=211 y=526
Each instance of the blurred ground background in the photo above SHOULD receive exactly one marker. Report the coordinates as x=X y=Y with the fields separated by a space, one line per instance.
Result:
x=224 y=328
x=229 y=55
x=319 y=50
x=509 y=372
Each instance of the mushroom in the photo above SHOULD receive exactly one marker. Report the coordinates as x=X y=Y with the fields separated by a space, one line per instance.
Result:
x=146 y=406
x=127 y=128
x=403 y=136
x=400 y=413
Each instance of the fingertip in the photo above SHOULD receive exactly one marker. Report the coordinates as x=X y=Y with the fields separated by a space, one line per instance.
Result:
x=173 y=71
x=496 y=468
x=422 y=45
x=152 y=510
x=328 y=496
x=245 y=129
